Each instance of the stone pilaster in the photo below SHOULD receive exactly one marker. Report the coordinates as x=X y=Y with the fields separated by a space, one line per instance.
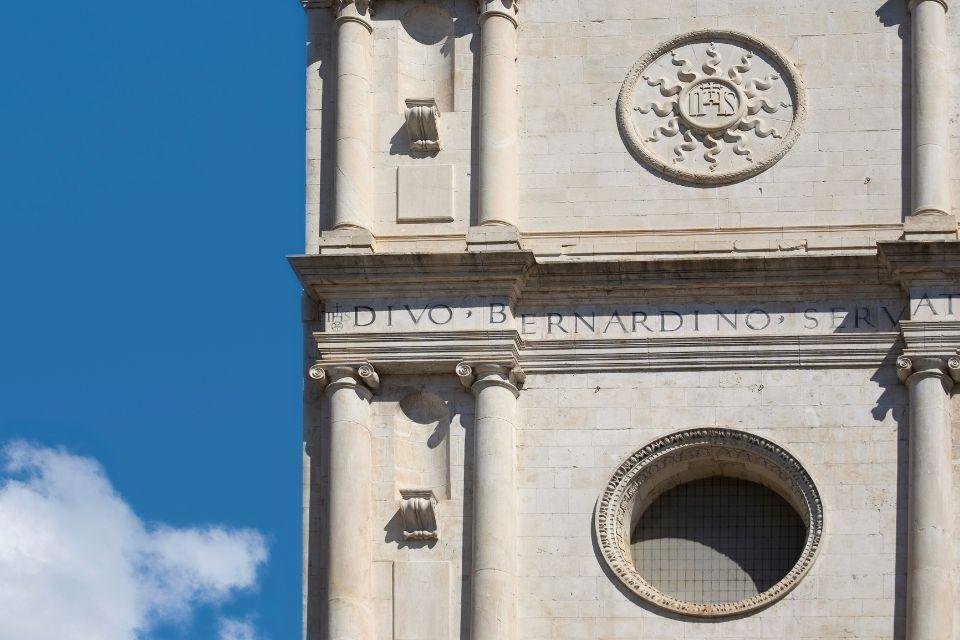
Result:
x=350 y=564
x=494 y=589
x=499 y=193
x=931 y=214
x=930 y=571
x=353 y=173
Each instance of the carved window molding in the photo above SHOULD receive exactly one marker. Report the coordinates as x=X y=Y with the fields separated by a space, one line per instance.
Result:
x=712 y=107
x=690 y=455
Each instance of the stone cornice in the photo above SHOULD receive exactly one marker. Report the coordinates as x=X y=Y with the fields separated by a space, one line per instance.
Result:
x=614 y=279
x=517 y=275
x=436 y=352
x=394 y=275
x=442 y=352
x=921 y=261
x=940 y=339
x=332 y=4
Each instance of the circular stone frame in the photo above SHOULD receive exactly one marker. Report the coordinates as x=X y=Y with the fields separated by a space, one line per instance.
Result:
x=690 y=455
x=635 y=143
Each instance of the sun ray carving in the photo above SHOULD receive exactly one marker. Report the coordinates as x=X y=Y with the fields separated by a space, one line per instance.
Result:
x=713 y=66
x=736 y=72
x=686 y=73
x=722 y=88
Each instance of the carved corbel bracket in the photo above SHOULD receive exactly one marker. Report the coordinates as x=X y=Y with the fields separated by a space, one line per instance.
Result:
x=419 y=516
x=423 y=124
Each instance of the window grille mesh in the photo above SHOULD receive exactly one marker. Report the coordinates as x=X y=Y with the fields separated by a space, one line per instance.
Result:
x=717 y=540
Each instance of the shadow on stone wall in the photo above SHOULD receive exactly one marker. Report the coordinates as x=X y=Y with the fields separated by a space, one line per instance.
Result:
x=893 y=13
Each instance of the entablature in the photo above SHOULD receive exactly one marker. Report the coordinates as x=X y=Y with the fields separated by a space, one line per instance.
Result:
x=442 y=352
x=518 y=275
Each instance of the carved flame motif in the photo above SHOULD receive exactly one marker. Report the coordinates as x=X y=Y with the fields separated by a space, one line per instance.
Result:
x=706 y=109
x=726 y=98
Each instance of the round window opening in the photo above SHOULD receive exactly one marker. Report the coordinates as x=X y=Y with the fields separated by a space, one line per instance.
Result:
x=710 y=522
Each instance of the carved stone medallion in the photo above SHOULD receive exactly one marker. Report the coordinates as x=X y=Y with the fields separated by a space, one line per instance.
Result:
x=686 y=456
x=712 y=107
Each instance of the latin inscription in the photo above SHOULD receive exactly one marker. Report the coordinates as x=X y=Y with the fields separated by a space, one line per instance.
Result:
x=652 y=320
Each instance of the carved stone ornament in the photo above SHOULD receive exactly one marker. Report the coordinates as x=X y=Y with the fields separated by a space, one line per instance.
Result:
x=712 y=107
x=690 y=455
x=419 y=518
x=423 y=119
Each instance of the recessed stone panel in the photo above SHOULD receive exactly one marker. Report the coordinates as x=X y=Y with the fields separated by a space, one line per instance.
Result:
x=421 y=606
x=425 y=193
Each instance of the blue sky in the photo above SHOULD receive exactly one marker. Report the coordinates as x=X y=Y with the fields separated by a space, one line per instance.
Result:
x=151 y=183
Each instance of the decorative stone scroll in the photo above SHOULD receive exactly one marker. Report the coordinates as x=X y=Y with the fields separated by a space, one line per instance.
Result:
x=423 y=117
x=653 y=469
x=419 y=518
x=712 y=107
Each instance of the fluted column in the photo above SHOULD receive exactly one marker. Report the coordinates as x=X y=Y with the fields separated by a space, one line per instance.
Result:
x=350 y=564
x=499 y=195
x=353 y=174
x=930 y=566
x=493 y=574
x=931 y=211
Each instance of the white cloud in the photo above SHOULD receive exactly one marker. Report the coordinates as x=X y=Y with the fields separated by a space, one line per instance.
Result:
x=237 y=630
x=76 y=563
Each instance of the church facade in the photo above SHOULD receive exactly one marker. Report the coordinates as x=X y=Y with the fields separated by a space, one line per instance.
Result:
x=629 y=319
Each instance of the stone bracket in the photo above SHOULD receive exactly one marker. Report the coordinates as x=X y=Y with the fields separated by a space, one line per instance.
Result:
x=418 y=514
x=423 y=124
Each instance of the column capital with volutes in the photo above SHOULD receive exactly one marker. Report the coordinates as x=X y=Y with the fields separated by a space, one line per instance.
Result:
x=913 y=368
x=329 y=377
x=478 y=375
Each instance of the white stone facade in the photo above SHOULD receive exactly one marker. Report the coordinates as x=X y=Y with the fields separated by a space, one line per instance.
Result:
x=544 y=234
